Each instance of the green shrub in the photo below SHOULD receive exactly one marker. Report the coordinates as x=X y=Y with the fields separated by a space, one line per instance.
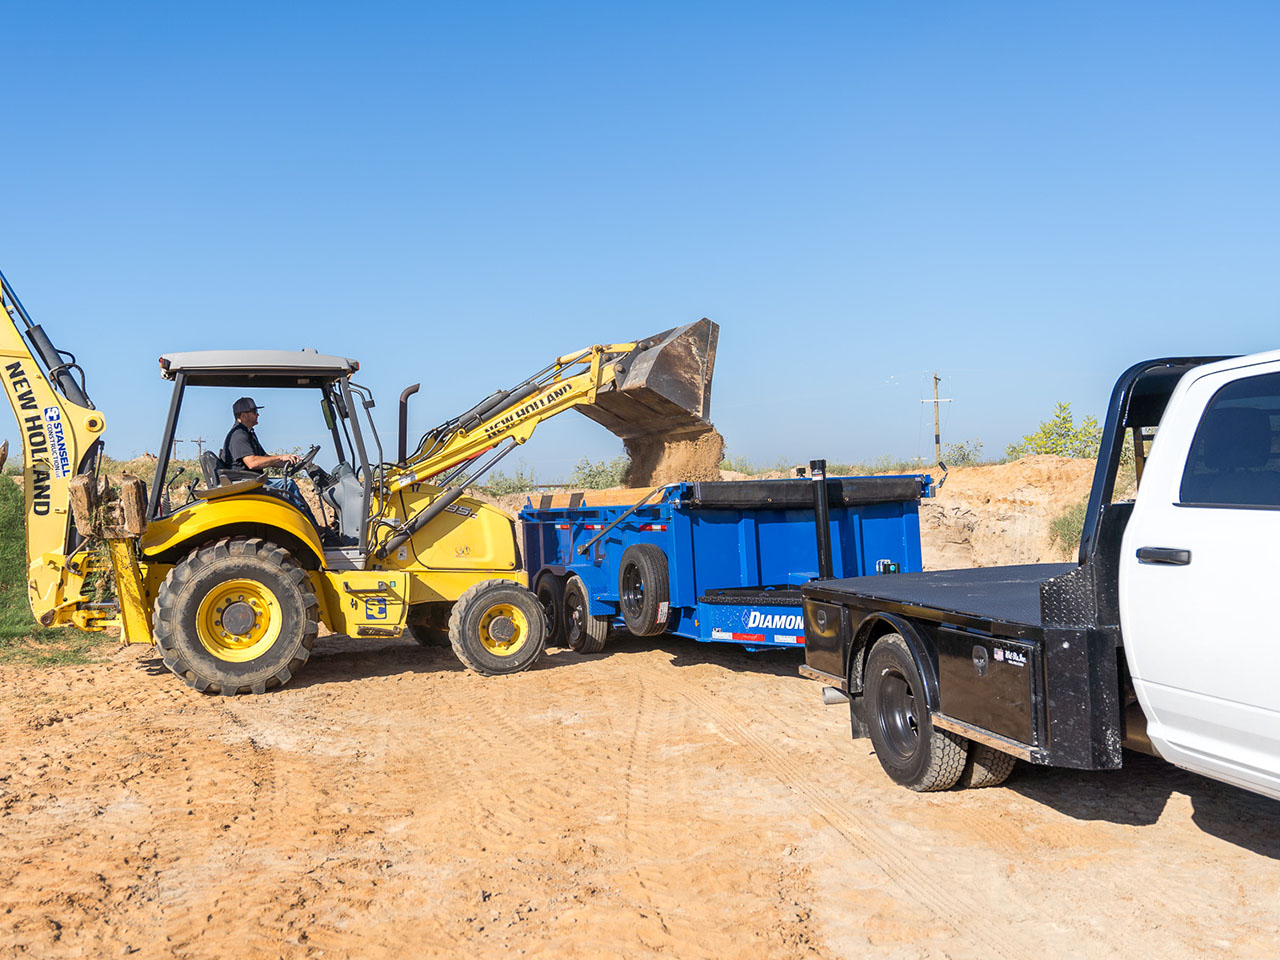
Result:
x=599 y=476
x=967 y=453
x=498 y=484
x=1067 y=527
x=22 y=640
x=885 y=464
x=737 y=464
x=1059 y=435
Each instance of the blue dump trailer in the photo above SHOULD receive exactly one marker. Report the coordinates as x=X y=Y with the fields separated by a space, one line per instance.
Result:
x=714 y=561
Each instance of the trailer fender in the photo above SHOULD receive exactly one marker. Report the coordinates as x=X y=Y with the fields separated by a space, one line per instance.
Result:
x=872 y=629
x=598 y=584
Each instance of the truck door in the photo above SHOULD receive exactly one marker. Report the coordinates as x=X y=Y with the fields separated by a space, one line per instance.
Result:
x=1199 y=572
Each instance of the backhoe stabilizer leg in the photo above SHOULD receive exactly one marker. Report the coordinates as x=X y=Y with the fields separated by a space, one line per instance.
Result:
x=135 y=627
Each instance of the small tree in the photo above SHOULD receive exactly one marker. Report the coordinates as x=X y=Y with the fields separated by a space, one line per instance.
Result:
x=1059 y=435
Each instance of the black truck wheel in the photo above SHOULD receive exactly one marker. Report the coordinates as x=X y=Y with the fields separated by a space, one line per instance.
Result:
x=550 y=593
x=584 y=633
x=236 y=616
x=910 y=749
x=428 y=623
x=497 y=627
x=986 y=767
x=644 y=589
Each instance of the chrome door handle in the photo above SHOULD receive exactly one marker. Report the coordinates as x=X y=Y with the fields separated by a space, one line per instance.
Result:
x=1170 y=556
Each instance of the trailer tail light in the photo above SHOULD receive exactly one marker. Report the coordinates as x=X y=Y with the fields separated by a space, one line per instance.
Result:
x=660 y=527
x=562 y=526
x=593 y=526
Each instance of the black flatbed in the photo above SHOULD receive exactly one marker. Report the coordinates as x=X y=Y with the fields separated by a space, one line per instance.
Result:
x=1008 y=594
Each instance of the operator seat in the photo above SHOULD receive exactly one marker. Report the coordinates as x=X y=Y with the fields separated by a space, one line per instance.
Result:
x=220 y=480
x=346 y=496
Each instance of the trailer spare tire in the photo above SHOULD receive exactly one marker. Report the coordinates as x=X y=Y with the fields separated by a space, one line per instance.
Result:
x=910 y=749
x=236 y=616
x=497 y=627
x=585 y=633
x=644 y=589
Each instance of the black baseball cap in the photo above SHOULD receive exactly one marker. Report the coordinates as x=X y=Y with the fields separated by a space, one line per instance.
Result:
x=245 y=405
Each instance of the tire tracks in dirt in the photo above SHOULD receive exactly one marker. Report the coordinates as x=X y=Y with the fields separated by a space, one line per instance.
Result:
x=872 y=841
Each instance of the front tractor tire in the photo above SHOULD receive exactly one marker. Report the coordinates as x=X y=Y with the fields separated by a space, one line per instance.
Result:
x=236 y=616
x=912 y=751
x=497 y=627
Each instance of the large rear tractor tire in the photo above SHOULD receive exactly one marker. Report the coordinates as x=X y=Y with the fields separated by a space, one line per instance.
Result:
x=912 y=752
x=497 y=627
x=236 y=616
x=550 y=593
x=986 y=767
x=585 y=633
x=644 y=589
x=428 y=624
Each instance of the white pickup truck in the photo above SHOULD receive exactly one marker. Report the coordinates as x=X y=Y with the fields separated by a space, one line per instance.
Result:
x=1162 y=637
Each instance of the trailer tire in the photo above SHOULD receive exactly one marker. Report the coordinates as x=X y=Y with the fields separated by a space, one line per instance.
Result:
x=550 y=593
x=428 y=623
x=644 y=589
x=986 y=767
x=497 y=627
x=911 y=750
x=583 y=632
x=236 y=616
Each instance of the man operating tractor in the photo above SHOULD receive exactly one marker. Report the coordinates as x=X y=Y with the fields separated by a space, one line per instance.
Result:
x=242 y=449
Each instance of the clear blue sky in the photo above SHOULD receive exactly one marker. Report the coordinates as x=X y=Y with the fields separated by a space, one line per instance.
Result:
x=1024 y=197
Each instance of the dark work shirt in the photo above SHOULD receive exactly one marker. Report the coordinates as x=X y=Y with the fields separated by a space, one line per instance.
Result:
x=241 y=442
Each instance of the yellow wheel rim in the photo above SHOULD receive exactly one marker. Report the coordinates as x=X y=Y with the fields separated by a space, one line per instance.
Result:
x=504 y=629
x=239 y=620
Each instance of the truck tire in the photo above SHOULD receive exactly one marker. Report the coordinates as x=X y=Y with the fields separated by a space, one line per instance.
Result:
x=236 y=616
x=497 y=627
x=428 y=623
x=550 y=593
x=583 y=632
x=644 y=589
x=911 y=751
x=986 y=767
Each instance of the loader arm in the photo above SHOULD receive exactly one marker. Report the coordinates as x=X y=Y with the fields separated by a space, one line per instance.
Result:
x=660 y=385
x=60 y=438
x=570 y=381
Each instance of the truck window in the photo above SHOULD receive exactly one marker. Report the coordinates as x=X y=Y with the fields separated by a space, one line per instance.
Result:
x=1233 y=460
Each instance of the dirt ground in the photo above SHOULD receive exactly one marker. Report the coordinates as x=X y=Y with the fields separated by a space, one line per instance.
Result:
x=662 y=798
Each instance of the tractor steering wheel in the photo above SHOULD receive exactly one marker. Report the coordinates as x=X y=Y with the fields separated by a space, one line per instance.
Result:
x=291 y=468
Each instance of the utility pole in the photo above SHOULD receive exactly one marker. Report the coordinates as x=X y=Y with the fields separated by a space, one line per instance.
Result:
x=937 y=432
x=199 y=442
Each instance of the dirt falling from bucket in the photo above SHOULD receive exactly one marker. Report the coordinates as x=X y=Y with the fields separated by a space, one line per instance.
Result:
x=659 y=460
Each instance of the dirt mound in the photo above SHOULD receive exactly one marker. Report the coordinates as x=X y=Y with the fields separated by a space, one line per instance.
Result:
x=659 y=460
x=1000 y=513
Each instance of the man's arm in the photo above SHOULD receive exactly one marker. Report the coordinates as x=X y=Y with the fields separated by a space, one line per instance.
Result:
x=274 y=460
x=241 y=449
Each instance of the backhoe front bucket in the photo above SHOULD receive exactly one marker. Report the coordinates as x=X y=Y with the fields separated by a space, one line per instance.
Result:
x=663 y=386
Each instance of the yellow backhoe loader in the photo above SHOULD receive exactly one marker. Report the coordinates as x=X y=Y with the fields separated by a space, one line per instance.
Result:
x=232 y=584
